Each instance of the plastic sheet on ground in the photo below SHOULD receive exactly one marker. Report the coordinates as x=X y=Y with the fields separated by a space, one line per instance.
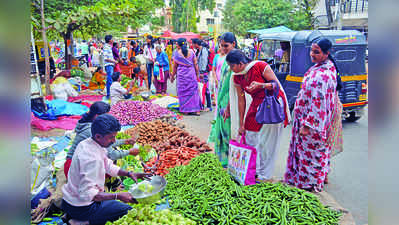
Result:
x=60 y=159
x=55 y=220
x=88 y=98
x=60 y=143
x=163 y=206
x=41 y=144
x=60 y=108
x=174 y=106
x=165 y=101
x=65 y=123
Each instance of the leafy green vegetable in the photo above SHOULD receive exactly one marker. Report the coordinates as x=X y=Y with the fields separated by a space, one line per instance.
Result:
x=144 y=151
x=122 y=135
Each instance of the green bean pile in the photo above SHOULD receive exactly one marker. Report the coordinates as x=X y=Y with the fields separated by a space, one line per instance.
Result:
x=204 y=192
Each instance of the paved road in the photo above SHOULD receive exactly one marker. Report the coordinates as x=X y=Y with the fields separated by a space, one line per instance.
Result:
x=349 y=175
x=348 y=179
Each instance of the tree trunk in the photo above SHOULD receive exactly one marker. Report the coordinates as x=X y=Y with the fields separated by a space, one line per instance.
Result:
x=66 y=53
x=339 y=16
x=46 y=55
x=187 y=12
x=68 y=60
x=329 y=15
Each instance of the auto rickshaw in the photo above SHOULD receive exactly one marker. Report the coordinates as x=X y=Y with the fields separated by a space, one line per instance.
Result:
x=288 y=53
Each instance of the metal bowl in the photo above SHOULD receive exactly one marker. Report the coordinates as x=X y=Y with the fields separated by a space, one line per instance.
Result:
x=159 y=184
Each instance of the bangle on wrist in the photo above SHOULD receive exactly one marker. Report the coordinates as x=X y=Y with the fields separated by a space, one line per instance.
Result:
x=116 y=196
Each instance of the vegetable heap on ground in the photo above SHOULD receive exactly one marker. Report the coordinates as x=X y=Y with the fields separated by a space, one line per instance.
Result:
x=163 y=136
x=204 y=192
x=151 y=132
x=77 y=72
x=134 y=112
x=146 y=215
x=169 y=159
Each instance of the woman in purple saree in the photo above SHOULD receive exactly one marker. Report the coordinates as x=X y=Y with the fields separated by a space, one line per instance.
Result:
x=186 y=72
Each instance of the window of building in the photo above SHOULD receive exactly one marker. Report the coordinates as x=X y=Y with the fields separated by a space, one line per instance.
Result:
x=219 y=5
x=216 y=14
x=210 y=21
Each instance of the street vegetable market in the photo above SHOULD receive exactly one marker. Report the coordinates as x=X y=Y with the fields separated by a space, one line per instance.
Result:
x=141 y=114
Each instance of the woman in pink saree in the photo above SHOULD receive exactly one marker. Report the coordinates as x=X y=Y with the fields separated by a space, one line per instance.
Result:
x=186 y=72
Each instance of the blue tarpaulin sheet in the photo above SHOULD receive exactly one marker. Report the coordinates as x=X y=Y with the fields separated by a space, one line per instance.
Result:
x=60 y=107
x=62 y=143
x=271 y=30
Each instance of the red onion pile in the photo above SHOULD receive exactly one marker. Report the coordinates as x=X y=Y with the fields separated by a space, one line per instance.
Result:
x=134 y=112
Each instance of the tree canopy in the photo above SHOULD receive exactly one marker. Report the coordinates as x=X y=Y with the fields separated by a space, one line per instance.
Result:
x=87 y=18
x=185 y=13
x=91 y=17
x=243 y=15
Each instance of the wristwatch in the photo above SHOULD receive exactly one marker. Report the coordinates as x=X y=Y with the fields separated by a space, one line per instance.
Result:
x=129 y=174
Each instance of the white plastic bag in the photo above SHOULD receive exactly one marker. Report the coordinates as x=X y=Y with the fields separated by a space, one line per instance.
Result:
x=63 y=91
x=41 y=172
x=59 y=91
x=153 y=90
x=70 y=90
x=201 y=92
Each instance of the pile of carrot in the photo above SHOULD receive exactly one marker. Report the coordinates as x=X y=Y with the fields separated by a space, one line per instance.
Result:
x=169 y=159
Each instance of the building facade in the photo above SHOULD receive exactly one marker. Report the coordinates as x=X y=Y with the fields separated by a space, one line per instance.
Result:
x=342 y=14
x=212 y=21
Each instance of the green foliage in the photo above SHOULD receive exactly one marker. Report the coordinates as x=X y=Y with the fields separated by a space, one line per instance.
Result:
x=185 y=13
x=157 y=22
x=91 y=17
x=305 y=14
x=243 y=15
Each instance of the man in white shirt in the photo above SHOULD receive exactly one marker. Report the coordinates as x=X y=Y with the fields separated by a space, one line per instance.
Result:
x=117 y=91
x=84 y=198
x=109 y=61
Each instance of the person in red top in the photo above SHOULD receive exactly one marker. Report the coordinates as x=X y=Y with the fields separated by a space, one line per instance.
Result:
x=253 y=77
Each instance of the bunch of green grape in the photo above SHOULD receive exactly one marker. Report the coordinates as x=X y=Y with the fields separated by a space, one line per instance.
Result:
x=146 y=215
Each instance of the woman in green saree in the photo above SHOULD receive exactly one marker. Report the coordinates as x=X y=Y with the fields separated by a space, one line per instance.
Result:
x=221 y=129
